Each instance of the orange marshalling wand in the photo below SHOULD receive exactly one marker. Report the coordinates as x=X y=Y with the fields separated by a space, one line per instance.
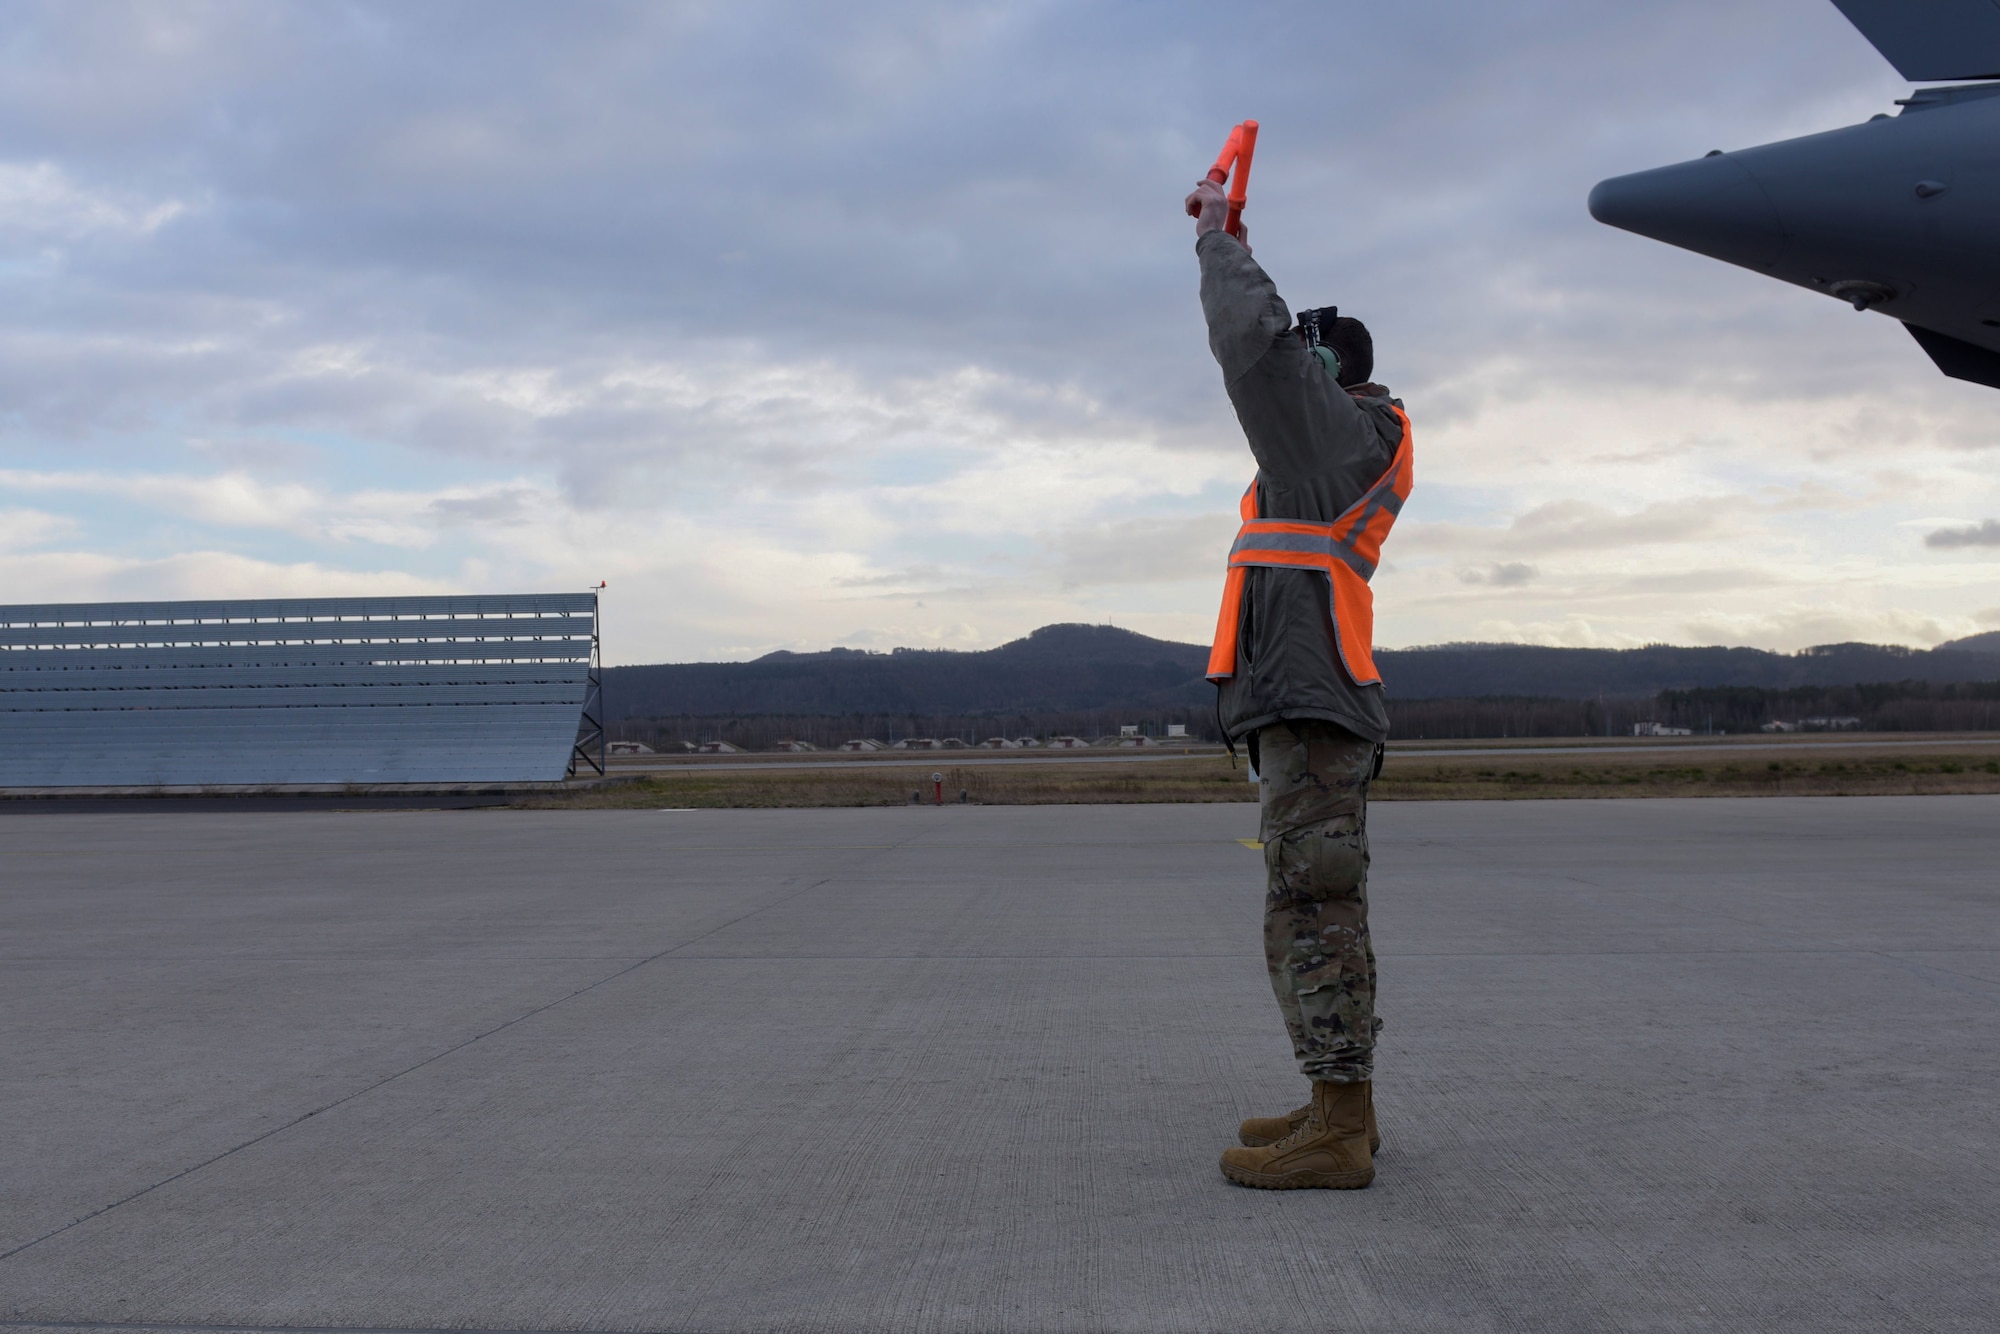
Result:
x=1242 y=146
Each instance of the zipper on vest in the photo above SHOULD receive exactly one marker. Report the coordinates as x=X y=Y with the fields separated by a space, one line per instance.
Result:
x=1246 y=624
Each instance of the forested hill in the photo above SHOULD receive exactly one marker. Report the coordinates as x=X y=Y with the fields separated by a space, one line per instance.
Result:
x=1080 y=667
x=1057 y=668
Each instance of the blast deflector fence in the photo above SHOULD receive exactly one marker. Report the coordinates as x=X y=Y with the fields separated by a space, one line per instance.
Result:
x=299 y=690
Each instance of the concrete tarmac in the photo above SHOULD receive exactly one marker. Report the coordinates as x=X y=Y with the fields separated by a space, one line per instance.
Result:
x=1649 y=1065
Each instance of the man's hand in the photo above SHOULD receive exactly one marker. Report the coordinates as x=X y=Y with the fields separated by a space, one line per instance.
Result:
x=1209 y=207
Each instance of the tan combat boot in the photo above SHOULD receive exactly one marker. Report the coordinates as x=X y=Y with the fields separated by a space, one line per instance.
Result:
x=1261 y=1130
x=1329 y=1150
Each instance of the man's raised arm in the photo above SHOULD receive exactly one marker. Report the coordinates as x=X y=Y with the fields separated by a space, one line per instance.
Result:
x=1238 y=298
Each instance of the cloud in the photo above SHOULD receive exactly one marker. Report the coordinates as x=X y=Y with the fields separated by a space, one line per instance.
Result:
x=786 y=317
x=1580 y=525
x=21 y=529
x=1983 y=534
x=1162 y=550
x=93 y=577
x=1683 y=580
x=1508 y=574
x=41 y=202
x=239 y=500
x=507 y=506
x=1796 y=628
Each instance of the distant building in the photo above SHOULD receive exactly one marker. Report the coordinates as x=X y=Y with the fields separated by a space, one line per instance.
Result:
x=719 y=748
x=1660 y=729
x=796 y=747
x=1844 y=724
x=1775 y=726
x=1127 y=739
x=999 y=743
x=1067 y=743
x=1128 y=730
x=1176 y=730
x=862 y=743
x=1026 y=742
x=952 y=743
x=917 y=743
x=628 y=748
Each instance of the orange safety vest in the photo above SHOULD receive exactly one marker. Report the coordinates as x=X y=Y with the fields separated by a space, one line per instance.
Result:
x=1346 y=550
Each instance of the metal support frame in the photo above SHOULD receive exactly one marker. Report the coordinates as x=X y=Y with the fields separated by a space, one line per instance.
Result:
x=590 y=739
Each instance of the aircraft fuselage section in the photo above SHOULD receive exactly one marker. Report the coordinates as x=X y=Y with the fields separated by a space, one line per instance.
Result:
x=1900 y=214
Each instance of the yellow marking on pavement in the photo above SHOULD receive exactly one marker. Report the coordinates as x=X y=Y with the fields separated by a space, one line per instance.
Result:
x=1251 y=844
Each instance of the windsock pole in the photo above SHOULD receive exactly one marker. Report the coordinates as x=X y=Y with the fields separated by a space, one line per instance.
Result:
x=1237 y=152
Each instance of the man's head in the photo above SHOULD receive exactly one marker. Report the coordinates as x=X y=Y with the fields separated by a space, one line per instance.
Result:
x=1348 y=338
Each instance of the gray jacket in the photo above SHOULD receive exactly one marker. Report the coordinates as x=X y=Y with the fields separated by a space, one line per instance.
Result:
x=1318 y=449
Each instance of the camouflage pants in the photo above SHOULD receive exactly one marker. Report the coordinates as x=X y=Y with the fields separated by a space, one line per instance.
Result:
x=1313 y=780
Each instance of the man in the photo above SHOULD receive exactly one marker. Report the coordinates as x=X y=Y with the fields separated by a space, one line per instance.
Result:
x=1297 y=682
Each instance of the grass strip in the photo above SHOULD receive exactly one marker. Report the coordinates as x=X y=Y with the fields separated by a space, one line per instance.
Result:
x=1408 y=776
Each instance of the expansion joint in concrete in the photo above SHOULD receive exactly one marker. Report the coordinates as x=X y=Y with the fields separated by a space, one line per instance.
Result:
x=386 y=1080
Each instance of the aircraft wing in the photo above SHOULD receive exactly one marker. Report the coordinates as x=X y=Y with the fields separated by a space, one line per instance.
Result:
x=1931 y=39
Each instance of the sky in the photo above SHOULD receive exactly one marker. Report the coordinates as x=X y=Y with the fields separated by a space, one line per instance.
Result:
x=875 y=324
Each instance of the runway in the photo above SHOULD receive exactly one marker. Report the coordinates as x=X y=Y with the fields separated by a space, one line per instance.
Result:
x=1662 y=1065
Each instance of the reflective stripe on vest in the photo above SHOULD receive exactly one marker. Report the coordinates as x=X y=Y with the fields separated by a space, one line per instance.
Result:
x=1346 y=550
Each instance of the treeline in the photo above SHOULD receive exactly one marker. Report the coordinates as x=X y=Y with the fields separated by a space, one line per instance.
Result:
x=1899 y=706
x=1454 y=719
x=1530 y=671
x=826 y=731
x=1890 y=706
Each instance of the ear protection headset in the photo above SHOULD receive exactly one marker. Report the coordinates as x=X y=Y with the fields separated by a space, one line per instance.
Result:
x=1309 y=325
